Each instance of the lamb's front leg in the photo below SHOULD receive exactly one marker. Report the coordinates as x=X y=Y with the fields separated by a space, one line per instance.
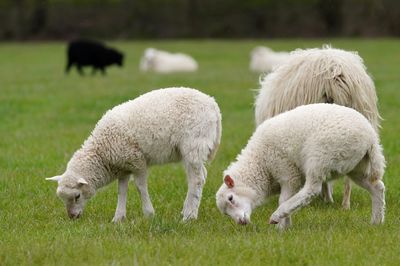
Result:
x=301 y=198
x=288 y=189
x=141 y=185
x=120 y=212
x=196 y=177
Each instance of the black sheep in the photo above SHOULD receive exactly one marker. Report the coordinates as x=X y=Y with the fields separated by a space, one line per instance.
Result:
x=92 y=53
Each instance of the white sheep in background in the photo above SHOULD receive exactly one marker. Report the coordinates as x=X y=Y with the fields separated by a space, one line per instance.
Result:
x=264 y=59
x=295 y=152
x=319 y=76
x=165 y=62
x=162 y=126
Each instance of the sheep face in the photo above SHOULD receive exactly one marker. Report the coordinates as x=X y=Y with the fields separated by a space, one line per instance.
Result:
x=74 y=193
x=234 y=202
x=147 y=60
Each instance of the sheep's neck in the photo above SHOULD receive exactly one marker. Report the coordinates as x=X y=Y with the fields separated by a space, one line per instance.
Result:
x=255 y=177
x=89 y=164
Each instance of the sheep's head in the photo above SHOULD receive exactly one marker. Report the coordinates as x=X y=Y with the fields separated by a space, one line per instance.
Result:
x=120 y=59
x=261 y=51
x=147 y=61
x=234 y=201
x=74 y=191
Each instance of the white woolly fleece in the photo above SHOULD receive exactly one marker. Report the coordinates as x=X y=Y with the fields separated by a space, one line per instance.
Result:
x=165 y=62
x=162 y=126
x=324 y=75
x=316 y=141
x=264 y=59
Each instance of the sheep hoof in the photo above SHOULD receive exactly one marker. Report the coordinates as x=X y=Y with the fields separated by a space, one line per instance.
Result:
x=189 y=214
x=119 y=219
x=328 y=200
x=274 y=219
x=187 y=218
x=149 y=215
x=346 y=206
x=273 y=222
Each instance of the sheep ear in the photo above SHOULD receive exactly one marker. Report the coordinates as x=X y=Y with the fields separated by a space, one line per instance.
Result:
x=54 y=178
x=229 y=181
x=82 y=181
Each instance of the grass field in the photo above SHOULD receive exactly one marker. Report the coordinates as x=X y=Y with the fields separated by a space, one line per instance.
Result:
x=45 y=116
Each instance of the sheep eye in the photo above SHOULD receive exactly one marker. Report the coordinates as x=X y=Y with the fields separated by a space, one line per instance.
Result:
x=230 y=198
x=77 y=197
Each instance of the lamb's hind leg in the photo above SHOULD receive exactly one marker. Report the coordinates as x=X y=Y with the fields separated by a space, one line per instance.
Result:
x=120 y=212
x=327 y=191
x=376 y=188
x=346 y=193
x=141 y=185
x=303 y=197
x=196 y=176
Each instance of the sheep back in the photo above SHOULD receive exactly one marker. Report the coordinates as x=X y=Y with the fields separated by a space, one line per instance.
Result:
x=316 y=138
x=164 y=125
x=318 y=76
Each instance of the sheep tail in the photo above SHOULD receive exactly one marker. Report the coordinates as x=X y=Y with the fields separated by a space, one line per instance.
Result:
x=217 y=139
x=377 y=164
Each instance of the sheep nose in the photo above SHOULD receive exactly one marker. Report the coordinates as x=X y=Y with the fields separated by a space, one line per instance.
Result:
x=243 y=221
x=74 y=215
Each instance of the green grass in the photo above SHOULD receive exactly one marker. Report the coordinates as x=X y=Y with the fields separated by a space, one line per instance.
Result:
x=45 y=116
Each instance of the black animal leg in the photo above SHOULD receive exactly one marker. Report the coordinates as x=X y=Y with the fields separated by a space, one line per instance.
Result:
x=80 y=70
x=68 y=67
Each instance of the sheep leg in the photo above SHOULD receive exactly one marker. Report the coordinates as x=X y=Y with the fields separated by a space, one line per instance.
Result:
x=346 y=194
x=327 y=191
x=301 y=198
x=94 y=70
x=376 y=188
x=103 y=70
x=120 y=212
x=287 y=191
x=80 y=70
x=68 y=67
x=141 y=185
x=196 y=176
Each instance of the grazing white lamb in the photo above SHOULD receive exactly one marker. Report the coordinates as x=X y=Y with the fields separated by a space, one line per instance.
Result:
x=162 y=126
x=165 y=62
x=294 y=153
x=324 y=75
x=264 y=59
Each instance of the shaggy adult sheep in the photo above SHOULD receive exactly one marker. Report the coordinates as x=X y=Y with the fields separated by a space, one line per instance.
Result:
x=264 y=59
x=294 y=153
x=165 y=62
x=324 y=75
x=162 y=126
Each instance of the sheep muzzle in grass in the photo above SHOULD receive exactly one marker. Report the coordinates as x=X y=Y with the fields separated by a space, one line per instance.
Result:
x=74 y=193
x=233 y=203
